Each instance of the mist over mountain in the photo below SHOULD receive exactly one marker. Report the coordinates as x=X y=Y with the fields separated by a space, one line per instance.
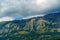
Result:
x=53 y=17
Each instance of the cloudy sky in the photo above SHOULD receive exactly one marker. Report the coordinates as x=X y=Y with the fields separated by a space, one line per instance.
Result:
x=27 y=8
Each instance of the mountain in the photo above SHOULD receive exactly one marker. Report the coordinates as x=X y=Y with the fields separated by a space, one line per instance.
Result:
x=32 y=27
x=52 y=17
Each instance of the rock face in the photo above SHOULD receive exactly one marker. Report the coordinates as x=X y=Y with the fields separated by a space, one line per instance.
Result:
x=39 y=25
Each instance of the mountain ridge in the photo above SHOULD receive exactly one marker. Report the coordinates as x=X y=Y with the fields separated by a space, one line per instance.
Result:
x=30 y=28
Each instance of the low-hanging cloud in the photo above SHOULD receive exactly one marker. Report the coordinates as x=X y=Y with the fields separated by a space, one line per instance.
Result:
x=25 y=8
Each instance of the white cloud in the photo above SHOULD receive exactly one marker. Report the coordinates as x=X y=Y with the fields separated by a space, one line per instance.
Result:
x=33 y=16
x=6 y=19
x=25 y=8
